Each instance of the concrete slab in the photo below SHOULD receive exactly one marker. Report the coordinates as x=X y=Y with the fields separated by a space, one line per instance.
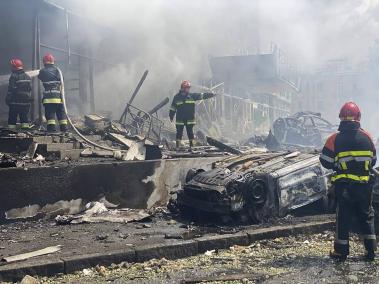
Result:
x=15 y=144
x=73 y=154
x=132 y=184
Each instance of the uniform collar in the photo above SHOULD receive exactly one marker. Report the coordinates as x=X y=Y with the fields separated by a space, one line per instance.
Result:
x=349 y=126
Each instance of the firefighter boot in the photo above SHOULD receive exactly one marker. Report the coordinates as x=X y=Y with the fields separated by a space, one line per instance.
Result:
x=337 y=256
x=178 y=143
x=370 y=256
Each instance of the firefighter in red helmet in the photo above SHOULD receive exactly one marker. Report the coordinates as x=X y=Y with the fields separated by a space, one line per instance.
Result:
x=351 y=153
x=52 y=97
x=19 y=95
x=183 y=105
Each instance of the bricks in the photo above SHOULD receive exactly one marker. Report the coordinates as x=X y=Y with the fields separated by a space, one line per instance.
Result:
x=79 y=262
x=15 y=144
x=73 y=154
x=43 y=139
x=54 y=147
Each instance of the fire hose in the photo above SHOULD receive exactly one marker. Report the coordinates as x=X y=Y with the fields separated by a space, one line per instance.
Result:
x=73 y=126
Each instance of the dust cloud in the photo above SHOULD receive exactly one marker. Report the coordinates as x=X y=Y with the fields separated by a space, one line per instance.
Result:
x=175 y=38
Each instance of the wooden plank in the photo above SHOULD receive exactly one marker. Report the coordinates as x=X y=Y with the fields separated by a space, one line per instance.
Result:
x=23 y=256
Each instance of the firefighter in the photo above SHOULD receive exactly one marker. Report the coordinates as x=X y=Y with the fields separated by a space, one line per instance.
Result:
x=183 y=105
x=19 y=95
x=52 y=97
x=351 y=153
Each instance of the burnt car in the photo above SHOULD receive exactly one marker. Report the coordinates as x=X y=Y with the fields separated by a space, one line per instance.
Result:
x=257 y=185
x=303 y=129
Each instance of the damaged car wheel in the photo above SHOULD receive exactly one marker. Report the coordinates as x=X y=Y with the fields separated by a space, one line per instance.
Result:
x=192 y=173
x=256 y=198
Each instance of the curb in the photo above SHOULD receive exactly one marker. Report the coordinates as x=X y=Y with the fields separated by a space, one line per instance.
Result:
x=173 y=250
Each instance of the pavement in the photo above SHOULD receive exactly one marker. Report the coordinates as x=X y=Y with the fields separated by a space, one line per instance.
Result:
x=294 y=259
x=104 y=244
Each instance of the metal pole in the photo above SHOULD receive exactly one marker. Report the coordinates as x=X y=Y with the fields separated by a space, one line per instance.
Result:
x=68 y=38
x=91 y=86
x=38 y=64
x=34 y=67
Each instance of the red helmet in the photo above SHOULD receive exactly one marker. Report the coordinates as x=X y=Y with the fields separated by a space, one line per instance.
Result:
x=16 y=64
x=350 y=112
x=185 y=84
x=48 y=59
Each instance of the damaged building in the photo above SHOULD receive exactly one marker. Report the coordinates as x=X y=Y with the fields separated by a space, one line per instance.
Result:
x=255 y=90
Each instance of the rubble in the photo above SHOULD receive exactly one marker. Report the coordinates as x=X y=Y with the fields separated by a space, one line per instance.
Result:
x=223 y=147
x=7 y=161
x=280 y=260
x=97 y=212
x=29 y=280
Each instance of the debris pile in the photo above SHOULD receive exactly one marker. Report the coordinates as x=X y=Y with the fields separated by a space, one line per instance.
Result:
x=299 y=259
x=97 y=212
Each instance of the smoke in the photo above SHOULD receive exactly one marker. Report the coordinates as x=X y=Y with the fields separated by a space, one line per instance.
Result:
x=174 y=39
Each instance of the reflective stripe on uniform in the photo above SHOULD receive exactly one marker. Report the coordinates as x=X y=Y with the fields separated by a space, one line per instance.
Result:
x=367 y=164
x=179 y=123
x=52 y=92
x=369 y=237
x=189 y=101
x=173 y=108
x=51 y=121
x=354 y=154
x=179 y=103
x=326 y=158
x=341 y=242
x=25 y=125
x=52 y=101
x=12 y=126
x=191 y=122
x=63 y=122
x=23 y=81
x=343 y=165
x=20 y=104
x=358 y=159
x=352 y=177
x=52 y=82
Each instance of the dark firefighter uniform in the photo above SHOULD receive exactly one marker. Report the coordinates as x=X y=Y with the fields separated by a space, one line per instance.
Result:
x=52 y=97
x=183 y=105
x=19 y=98
x=351 y=153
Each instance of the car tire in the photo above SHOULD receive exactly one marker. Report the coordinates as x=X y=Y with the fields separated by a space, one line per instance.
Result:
x=256 y=204
x=192 y=173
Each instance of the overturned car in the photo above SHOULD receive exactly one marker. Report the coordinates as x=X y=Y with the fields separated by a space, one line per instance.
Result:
x=257 y=185
x=303 y=129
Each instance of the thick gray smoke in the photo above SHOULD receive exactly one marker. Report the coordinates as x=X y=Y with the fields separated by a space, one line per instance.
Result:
x=173 y=39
